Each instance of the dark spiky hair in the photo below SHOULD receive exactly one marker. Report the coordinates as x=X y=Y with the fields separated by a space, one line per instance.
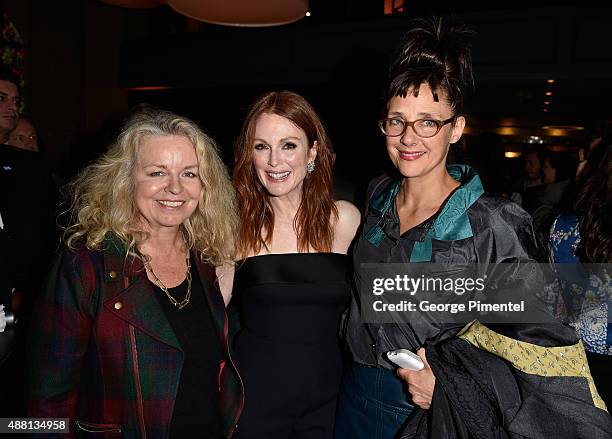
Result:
x=434 y=54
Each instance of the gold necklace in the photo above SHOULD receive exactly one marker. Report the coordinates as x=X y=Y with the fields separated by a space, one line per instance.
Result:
x=182 y=304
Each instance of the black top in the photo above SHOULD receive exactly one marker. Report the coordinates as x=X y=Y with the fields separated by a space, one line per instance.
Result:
x=196 y=410
x=295 y=298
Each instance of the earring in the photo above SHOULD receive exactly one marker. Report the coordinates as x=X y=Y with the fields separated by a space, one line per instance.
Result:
x=310 y=167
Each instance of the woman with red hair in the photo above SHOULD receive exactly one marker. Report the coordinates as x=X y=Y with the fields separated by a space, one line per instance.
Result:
x=291 y=284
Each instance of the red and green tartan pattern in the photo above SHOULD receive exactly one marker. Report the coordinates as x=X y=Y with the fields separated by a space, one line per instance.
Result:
x=113 y=368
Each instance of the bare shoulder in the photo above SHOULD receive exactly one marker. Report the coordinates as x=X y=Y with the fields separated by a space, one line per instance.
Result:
x=348 y=214
x=346 y=226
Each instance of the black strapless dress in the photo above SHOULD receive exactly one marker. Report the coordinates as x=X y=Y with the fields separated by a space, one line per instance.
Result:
x=288 y=352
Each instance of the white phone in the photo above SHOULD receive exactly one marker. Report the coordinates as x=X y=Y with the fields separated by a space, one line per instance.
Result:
x=405 y=359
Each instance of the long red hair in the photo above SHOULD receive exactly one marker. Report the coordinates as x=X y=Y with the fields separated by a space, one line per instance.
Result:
x=312 y=222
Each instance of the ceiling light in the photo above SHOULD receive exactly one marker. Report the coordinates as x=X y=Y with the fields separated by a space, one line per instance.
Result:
x=248 y=13
x=245 y=13
x=506 y=131
x=563 y=127
x=135 y=4
x=150 y=87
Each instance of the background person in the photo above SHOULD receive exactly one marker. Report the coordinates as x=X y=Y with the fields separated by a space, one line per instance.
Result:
x=583 y=235
x=291 y=284
x=527 y=187
x=532 y=166
x=476 y=380
x=24 y=136
x=28 y=235
x=10 y=101
x=559 y=171
x=128 y=336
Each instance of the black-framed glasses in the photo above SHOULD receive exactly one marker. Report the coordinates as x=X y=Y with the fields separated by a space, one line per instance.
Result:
x=395 y=126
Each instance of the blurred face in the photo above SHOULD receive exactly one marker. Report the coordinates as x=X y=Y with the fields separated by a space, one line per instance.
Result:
x=9 y=103
x=167 y=184
x=280 y=155
x=550 y=173
x=533 y=166
x=24 y=136
x=415 y=156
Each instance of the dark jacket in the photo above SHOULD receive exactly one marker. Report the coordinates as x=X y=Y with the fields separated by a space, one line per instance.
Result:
x=497 y=380
x=103 y=354
x=489 y=385
x=28 y=236
x=472 y=227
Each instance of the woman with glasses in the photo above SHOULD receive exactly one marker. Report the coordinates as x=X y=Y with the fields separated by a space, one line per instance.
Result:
x=291 y=284
x=476 y=380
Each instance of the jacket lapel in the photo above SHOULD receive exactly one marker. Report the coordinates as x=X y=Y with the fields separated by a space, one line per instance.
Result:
x=138 y=306
x=130 y=296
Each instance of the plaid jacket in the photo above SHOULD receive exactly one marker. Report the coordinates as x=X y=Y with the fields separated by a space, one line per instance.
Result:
x=103 y=354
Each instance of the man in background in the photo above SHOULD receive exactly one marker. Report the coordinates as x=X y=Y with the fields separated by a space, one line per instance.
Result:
x=28 y=205
x=24 y=136
x=10 y=101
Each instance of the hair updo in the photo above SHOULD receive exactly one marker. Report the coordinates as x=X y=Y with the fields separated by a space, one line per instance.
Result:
x=434 y=54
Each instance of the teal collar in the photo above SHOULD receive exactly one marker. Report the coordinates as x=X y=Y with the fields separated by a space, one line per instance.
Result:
x=451 y=223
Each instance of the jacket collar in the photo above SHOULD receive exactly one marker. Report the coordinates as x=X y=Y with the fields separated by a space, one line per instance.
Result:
x=450 y=223
x=130 y=296
x=459 y=202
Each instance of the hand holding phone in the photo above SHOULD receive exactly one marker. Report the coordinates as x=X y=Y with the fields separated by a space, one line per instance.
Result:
x=405 y=359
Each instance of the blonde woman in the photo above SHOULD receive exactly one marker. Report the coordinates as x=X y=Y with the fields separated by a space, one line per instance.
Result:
x=129 y=335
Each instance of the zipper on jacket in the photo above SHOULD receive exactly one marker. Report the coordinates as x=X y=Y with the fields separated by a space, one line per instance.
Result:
x=139 y=404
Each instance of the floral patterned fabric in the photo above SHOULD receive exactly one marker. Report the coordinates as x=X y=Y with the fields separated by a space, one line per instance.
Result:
x=558 y=361
x=587 y=293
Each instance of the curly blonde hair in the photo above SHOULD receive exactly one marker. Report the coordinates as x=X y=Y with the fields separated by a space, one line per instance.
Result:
x=102 y=195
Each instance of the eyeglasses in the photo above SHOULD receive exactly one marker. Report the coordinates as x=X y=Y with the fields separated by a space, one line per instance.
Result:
x=394 y=126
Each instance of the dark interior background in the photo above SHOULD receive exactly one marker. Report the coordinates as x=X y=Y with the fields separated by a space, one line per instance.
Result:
x=88 y=62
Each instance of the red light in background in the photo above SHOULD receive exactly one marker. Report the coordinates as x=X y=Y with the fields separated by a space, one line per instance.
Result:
x=394 y=7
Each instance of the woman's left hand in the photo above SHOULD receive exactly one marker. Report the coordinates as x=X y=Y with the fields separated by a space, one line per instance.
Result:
x=421 y=383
